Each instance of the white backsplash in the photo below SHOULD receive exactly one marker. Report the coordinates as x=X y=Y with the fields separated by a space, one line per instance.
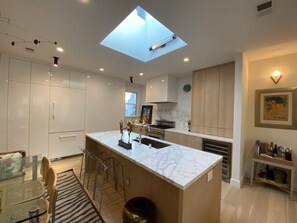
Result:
x=181 y=118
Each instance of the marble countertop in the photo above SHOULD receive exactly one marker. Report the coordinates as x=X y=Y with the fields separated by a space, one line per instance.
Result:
x=218 y=138
x=178 y=165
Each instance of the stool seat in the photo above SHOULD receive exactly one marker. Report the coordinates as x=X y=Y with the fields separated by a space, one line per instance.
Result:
x=139 y=210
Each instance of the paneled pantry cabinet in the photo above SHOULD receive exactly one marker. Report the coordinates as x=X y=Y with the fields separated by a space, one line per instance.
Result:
x=213 y=100
x=46 y=109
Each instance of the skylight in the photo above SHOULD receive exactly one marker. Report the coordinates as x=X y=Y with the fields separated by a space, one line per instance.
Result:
x=142 y=37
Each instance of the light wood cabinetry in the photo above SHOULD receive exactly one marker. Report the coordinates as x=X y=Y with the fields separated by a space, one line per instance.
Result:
x=184 y=139
x=197 y=119
x=174 y=137
x=194 y=142
x=226 y=100
x=213 y=100
x=162 y=89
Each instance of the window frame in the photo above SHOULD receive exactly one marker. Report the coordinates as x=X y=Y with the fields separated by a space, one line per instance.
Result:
x=137 y=104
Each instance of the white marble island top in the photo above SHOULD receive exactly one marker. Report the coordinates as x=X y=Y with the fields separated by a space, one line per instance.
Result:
x=178 y=165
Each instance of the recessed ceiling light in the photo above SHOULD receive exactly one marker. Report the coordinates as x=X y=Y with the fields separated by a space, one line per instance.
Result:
x=141 y=74
x=109 y=84
x=88 y=76
x=101 y=69
x=186 y=59
x=60 y=49
x=163 y=80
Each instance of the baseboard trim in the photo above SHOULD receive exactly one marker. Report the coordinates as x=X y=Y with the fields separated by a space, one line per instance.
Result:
x=237 y=183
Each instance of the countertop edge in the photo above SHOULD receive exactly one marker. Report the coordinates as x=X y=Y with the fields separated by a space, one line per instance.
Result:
x=218 y=138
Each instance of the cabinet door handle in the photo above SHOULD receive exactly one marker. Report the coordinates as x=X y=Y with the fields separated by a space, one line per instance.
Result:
x=54 y=108
x=67 y=136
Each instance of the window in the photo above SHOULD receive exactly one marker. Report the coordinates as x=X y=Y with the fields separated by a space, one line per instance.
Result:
x=130 y=104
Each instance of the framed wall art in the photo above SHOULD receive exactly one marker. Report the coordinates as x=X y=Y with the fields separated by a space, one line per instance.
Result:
x=146 y=113
x=276 y=108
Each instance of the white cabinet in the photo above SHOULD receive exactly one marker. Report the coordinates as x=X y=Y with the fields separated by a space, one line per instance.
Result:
x=77 y=80
x=18 y=116
x=39 y=113
x=19 y=70
x=59 y=77
x=40 y=74
x=66 y=144
x=161 y=89
x=67 y=109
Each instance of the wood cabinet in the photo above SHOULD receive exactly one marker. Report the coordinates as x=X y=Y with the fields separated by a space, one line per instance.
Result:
x=194 y=142
x=175 y=137
x=161 y=89
x=197 y=118
x=184 y=139
x=226 y=100
x=213 y=100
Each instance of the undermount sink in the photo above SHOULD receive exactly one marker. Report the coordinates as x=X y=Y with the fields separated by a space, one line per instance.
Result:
x=155 y=144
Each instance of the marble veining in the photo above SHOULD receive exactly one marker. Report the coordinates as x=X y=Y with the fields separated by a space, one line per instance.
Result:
x=180 y=117
x=179 y=165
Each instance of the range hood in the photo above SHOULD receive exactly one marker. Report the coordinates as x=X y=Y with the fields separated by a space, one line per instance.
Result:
x=162 y=89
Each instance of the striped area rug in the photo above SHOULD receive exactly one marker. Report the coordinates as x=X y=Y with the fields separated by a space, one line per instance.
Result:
x=73 y=203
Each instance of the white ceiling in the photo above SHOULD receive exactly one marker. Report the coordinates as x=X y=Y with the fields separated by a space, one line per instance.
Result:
x=215 y=31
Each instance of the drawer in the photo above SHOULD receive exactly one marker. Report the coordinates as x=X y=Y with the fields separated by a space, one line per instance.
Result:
x=174 y=137
x=194 y=142
x=65 y=144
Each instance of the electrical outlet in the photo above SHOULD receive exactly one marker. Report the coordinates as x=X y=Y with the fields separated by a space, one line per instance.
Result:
x=209 y=175
x=128 y=182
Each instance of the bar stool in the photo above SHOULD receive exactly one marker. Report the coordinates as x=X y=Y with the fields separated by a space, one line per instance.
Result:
x=90 y=158
x=114 y=167
x=100 y=167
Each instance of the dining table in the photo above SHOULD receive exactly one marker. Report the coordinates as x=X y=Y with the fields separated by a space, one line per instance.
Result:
x=22 y=198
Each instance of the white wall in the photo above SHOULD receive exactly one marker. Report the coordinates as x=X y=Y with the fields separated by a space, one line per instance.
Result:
x=3 y=100
x=259 y=78
x=140 y=90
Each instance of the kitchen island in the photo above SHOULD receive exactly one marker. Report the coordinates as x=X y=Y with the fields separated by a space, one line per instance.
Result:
x=183 y=183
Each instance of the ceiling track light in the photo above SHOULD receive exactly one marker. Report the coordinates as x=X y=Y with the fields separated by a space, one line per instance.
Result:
x=56 y=60
x=131 y=80
x=163 y=42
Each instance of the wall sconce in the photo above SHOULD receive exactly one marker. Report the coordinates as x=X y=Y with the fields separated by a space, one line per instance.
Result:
x=56 y=59
x=276 y=75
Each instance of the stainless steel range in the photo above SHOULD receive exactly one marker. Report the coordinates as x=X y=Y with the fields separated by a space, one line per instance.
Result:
x=158 y=130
